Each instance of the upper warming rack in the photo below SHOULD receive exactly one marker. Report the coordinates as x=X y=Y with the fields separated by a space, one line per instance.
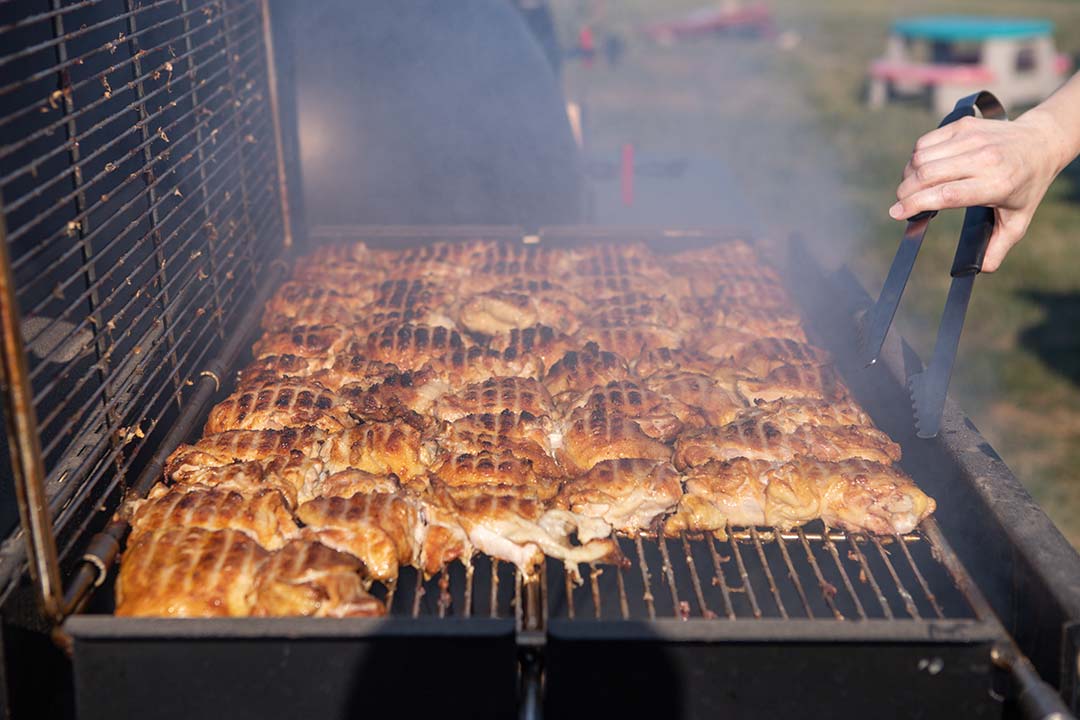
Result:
x=142 y=201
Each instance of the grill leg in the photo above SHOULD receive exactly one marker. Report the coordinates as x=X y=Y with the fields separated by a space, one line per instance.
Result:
x=532 y=683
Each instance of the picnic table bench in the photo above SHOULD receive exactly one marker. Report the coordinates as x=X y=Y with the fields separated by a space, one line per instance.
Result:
x=1014 y=58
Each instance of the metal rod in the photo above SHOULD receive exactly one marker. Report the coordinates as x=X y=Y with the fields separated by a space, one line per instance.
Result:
x=24 y=446
x=469 y=571
x=647 y=595
x=768 y=573
x=868 y=576
x=669 y=575
x=794 y=576
x=494 y=596
x=930 y=597
x=745 y=577
x=570 y=610
x=695 y=579
x=418 y=594
x=594 y=582
x=848 y=585
x=909 y=602
x=828 y=590
x=718 y=575
x=275 y=112
x=624 y=604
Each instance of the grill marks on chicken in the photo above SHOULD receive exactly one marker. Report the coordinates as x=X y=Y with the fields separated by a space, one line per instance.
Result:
x=280 y=405
x=413 y=407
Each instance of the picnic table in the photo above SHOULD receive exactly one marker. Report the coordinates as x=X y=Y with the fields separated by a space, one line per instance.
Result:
x=955 y=55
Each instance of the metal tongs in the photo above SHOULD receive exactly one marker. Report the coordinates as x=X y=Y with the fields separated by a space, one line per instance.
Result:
x=929 y=386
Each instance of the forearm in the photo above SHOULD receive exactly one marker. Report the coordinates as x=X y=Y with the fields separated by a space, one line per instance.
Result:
x=1059 y=118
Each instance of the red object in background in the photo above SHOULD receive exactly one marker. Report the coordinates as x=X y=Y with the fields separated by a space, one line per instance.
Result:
x=587 y=44
x=755 y=17
x=627 y=175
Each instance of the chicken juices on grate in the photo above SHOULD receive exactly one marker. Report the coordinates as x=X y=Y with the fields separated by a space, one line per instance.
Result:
x=261 y=515
x=593 y=434
x=719 y=493
x=279 y=405
x=759 y=439
x=658 y=417
x=630 y=494
x=495 y=395
x=189 y=572
x=380 y=448
x=853 y=494
x=523 y=530
x=380 y=529
x=311 y=580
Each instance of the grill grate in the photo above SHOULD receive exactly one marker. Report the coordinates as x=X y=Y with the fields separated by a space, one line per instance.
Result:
x=139 y=186
x=753 y=573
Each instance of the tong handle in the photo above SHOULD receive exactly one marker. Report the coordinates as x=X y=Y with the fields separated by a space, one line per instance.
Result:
x=974 y=239
x=991 y=108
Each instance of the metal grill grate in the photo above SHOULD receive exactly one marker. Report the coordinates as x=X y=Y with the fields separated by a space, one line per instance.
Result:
x=753 y=573
x=139 y=183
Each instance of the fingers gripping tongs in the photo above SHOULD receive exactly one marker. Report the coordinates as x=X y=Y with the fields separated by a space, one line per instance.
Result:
x=928 y=387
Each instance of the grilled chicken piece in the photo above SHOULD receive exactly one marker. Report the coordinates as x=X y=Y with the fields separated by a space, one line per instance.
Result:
x=764 y=355
x=297 y=302
x=523 y=437
x=240 y=445
x=354 y=254
x=539 y=341
x=659 y=418
x=593 y=435
x=758 y=439
x=521 y=531
x=629 y=341
x=494 y=395
x=261 y=515
x=853 y=494
x=579 y=370
x=715 y=403
x=788 y=415
x=309 y=579
x=378 y=448
x=497 y=312
x=596 y=287
x=631 y=309
x=410 y=346
x=409 y=301
x=761 y=322
x=445 y=261
x=188 y=572
x=318 y=341
x=444 y=538
x=722 y=342
x=756 y=291
x=511 y=264
x=656 y=361
x=607 y=259
x=379 y=529
x=815 y=382
x=289 y=475
x=722 y=493
x=354 y=370
x=279 y=405
x=410 y=396
x=492 y=472
x=629 y=494
x=476 y=363
x=346 y=483
x=273 y=368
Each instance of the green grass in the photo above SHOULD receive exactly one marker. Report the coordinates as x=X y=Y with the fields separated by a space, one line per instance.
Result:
x=794 y=125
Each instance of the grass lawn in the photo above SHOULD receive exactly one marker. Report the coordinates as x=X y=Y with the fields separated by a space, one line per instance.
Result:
x=781 y=139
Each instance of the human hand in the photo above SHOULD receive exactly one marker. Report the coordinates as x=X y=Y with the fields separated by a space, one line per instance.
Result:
x=1007 y=166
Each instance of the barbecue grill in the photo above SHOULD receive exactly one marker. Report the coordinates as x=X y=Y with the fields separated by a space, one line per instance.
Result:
x=150 y=185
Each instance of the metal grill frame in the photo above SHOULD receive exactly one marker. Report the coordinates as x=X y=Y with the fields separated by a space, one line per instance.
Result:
x=151 y=228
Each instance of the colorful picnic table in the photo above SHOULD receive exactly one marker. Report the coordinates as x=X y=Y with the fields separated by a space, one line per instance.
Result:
x=1013 y=57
